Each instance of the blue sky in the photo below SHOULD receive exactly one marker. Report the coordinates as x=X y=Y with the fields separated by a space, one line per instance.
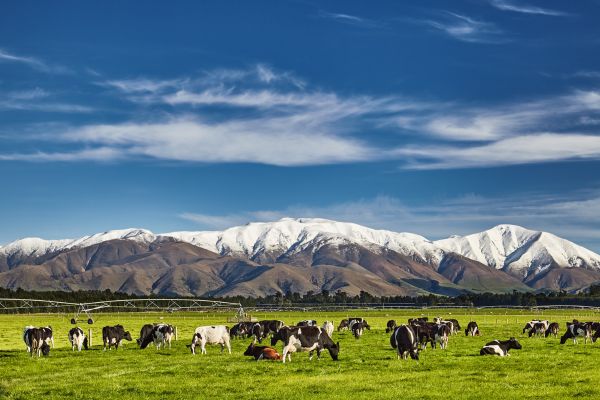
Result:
x=432 y=117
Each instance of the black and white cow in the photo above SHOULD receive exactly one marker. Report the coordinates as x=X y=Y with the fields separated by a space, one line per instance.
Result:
x=596 y=336
x=418 y=320
x=451 y=323
x=307 y=338
x=357 y=329
x=307 y=322
x=500 y=347
x=145 y=331
x=216 y=334
x=553 y=329
x=114 y=336
x=529 y=325
x=36 y=340
x=472 y=329
x=425 y=333
x=441 y=332
x=46 y=333
x=576 y=330
x=271 y=326
x=352 y=321
x=390 y=326
x=241 y=330
x=161 y=335
x=539 y=329
x=328 y=327
x=257 y=331
x=404 y=340
x=78 y=339
x=343 y=325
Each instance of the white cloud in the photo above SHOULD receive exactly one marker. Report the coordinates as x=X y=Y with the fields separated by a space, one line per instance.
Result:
x=95 y=154
x=34 y=100
x=350 y=19
x=467 y=29
x=32 y=62
x=526 y=9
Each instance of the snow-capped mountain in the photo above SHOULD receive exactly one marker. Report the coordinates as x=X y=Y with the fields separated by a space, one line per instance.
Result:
x=299 y=254
x=521 y=251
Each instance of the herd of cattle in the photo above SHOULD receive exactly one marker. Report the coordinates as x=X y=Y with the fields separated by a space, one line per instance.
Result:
x=307 y=336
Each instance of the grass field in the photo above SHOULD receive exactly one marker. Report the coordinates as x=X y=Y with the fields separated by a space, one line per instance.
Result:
x=367 y=369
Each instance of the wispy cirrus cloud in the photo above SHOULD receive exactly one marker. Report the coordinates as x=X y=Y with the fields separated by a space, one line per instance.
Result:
x=38 y=99
x=467 y=29
x=575 y=216
x=32 y=62
x=350 y=19
x=513 y=6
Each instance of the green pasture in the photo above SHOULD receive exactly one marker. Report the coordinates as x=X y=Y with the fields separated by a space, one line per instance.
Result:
x=367 y=369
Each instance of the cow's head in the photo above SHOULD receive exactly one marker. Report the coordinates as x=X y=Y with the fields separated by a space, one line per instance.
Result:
x=195 y=339
x=334 y=351
x=45 y=348
x=250 y=350
x=514 y=344
x=127 y=336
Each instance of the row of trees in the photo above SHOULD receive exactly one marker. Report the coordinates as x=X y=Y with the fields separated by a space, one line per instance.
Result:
x=590 y=298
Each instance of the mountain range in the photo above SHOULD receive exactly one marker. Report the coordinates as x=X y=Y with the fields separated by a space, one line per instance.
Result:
x=299 y=255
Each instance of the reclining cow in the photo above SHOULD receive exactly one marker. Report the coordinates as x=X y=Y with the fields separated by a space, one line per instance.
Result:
x=262 y=352
x=500 y=347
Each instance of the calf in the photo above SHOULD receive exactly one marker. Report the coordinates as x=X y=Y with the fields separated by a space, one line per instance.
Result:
x=307 y=338
x=472 y=329
x=210 y=335
x=114 y=336
x=390 y=326
x=357 y=329
x=161 y=334
x=262 y=352
x=538 y=329
x=553 y=329
x=575 y=330
x=328 y=327
x=35 y=339
x=77 y=339
x=500 y=347
x=307 y=322
x=404 y=340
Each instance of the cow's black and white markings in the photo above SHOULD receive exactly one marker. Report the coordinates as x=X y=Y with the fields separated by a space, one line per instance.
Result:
x=270 y=326
x=215 y=334
x=472 y=329
x=500 y=347
x=343 y=325
x=576 y=330
x=539 y=329
x=241 y=330
x=404 y=340
x=78 y=339
x=307 y=322
x=160 y=335
x=352 y=321
x=441 y=332
x=36 y=340
x=114 y=336
x=307 y=339
x=357 y=329
x=145 y=331
x=529 y=325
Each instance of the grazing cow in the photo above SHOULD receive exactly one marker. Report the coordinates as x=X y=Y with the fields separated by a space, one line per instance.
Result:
x=145 y=331
x=538 y=329
x=390 y=326
x=47 y=336
x=36 y=341
x=553 y=329
x=26 y=338
x=257 y=331
x=343 y=325
x=500 y=347
x=160 y=334
x=472 y=329
x=596 y=336
x=328 y=327
x=114 y=336
x=262 y=352
x=575 y=330
x=77 y=339
x=307 y=322
x=241 y=329
x=440 y=335
x=307 y=338
x=404 y=340
x=529 y=325
x=451 y=323
x=425 y=333
x=357 y=329
x=352 y=321
x=216 y=334
x=270 y=326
